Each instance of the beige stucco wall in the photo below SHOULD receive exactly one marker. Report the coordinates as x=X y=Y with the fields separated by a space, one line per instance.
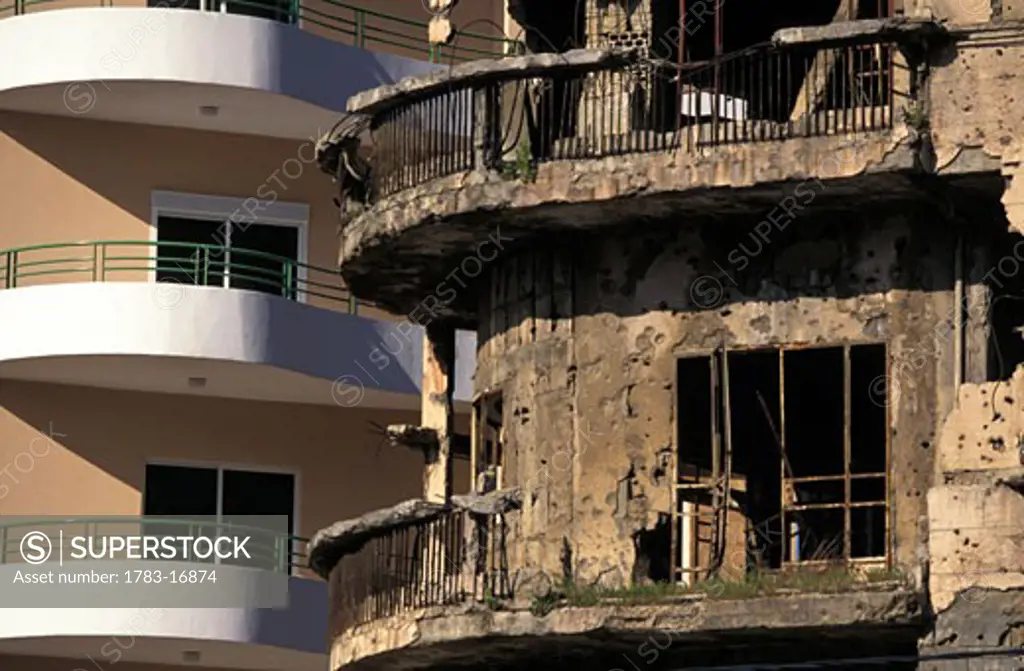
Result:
x=104 y=438
x=73 y=179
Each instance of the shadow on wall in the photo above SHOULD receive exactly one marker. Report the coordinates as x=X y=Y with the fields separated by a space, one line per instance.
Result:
x=124 y=162
x=332 y=449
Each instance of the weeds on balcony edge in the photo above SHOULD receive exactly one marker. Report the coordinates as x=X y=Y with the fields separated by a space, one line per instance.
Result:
x=766 y=583
x=524 y=168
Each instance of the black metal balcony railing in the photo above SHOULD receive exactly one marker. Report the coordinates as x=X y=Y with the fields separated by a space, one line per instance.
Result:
x=628 y=105
x=452 y=559
x=424 y=140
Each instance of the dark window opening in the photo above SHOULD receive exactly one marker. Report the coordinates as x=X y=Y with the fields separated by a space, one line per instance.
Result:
x=814 y=444
x=250 y=493
x=547 y=31
x=264 y=258
x=255 y=493
x=1006 y=311
x=190 y=251
x=693 y=31
x=177 y=491
x=218 y=497
x=207 y=252
x=653 y=552
x=699 y=428
x=489 y=436
x=487 y=464
x=756 y=422
x=797 y=439
x=769 y=86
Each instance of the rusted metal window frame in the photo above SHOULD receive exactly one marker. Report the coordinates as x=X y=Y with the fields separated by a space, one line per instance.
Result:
x=721 y=469
x=847 y=477
x=709 y=483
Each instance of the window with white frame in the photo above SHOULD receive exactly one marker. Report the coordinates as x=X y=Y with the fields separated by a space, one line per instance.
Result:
x=175 y=493
x=213 y=241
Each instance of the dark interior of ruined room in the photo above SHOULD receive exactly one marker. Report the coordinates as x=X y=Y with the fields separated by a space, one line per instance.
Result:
x=702 y=65
x=688 y=30
x=488 y=457
x=798 y=437
x=1004 y=278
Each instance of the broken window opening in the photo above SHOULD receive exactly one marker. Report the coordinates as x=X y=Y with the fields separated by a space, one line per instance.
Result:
x=488 y=439
x=486 y=551
x=712 y=77
x=546 y=31
x=1006 y=313
x=694 y=31
x=774 y=87
x=782 y=460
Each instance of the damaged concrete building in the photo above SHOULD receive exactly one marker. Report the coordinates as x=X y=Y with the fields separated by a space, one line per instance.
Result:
x=746 y=279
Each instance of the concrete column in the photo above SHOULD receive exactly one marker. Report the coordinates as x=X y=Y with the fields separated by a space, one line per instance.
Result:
x=437 y=409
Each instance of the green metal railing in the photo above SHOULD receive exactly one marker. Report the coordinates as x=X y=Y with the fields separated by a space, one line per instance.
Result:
x=173 y=262
x=342 y=21
x=268 y=550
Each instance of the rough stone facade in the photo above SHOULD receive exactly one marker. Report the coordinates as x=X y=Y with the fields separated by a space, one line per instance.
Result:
x=589 y=384
x=976 y=525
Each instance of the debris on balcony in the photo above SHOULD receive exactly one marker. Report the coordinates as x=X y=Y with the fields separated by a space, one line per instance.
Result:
x=348 y=536
x=342 y=153
x=899 y=28
x=413 y=436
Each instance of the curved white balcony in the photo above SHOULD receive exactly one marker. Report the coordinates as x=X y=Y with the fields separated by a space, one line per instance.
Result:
x=249 y=638
x=193 y=69
x=297 y=344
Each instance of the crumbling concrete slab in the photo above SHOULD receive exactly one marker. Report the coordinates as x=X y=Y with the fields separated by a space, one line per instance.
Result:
x=447 y=637
x=898 y=28
x=420 y=236
x=330 y=544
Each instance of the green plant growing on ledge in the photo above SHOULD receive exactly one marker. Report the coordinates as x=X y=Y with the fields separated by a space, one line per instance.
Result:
x=492 y=602
x=523 y=168
x=833 y=580
x=916 y=118
x=543 y=604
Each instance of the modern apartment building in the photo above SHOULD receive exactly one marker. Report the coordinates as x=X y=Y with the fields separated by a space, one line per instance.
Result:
x=176 y=340
x=748 y=378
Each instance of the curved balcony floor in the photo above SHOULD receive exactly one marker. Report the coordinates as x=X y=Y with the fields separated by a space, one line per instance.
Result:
x=214 y=341
x=229 y=638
